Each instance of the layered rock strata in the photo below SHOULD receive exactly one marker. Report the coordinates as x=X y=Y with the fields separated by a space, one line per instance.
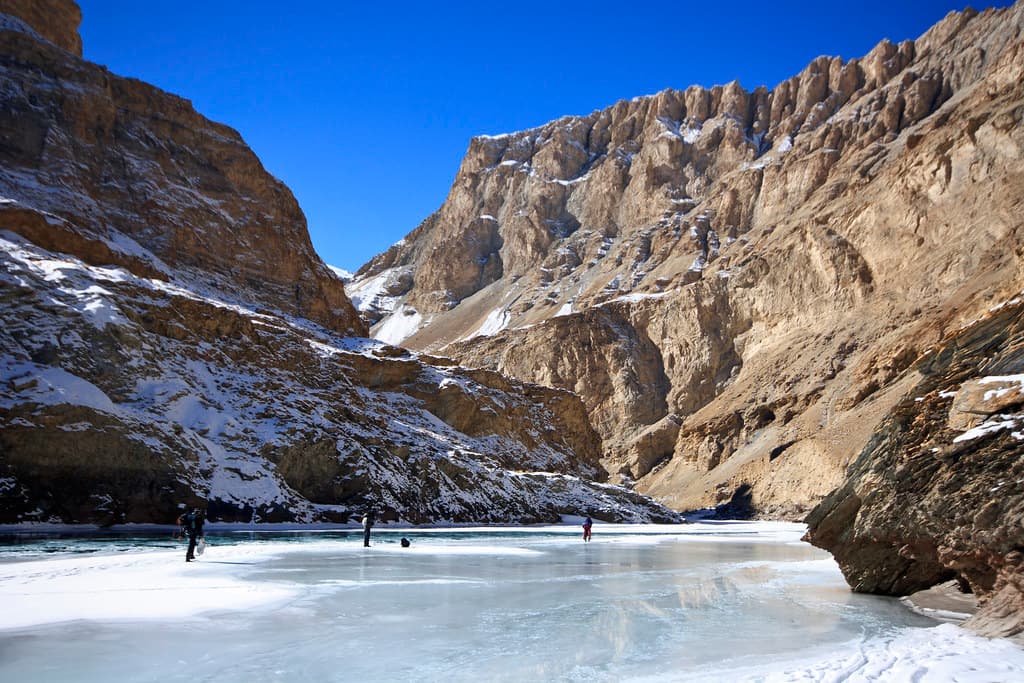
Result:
x=937 y=492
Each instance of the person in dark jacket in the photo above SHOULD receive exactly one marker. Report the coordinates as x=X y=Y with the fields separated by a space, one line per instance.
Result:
x=367 y=525
x=587 y=524
x=192 y=522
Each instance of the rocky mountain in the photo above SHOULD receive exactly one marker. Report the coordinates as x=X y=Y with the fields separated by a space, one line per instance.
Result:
x=169 y=336
x=738 y=284
x=127 y=164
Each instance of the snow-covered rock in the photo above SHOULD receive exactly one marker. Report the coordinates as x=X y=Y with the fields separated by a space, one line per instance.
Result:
x=168 y=337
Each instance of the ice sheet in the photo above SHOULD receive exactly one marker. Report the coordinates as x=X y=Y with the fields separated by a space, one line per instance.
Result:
x=138 y=585
x=705 y=601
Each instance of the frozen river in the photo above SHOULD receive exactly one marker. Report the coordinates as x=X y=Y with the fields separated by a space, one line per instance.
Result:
x=707 y=601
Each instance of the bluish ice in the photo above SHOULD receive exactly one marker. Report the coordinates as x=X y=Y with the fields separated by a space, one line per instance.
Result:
x=709 y=601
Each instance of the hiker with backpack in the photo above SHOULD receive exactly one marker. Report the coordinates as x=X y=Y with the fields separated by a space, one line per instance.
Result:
x=192 y=525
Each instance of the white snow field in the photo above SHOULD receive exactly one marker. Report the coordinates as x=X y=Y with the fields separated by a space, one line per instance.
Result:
x=710 y=601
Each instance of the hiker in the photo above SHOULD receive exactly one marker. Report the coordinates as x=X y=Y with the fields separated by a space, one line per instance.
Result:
x=192 y=523
x=587 y=523
x=367 y=525
x=405 y=542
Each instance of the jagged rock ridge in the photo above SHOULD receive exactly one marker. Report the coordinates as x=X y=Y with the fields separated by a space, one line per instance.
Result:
x=168 y=336
x=734 y=282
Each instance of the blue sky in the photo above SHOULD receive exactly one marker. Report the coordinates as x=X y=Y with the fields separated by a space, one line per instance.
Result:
x=365 y=109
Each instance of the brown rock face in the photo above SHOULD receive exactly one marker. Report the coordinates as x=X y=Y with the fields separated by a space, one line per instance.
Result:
x=761 y=266
x=136 y=170
x=55 y=20
x=926 y=501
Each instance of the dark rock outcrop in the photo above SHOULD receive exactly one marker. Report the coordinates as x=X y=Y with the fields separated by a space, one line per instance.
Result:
x=927 y=501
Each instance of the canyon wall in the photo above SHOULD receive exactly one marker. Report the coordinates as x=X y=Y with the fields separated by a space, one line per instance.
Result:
x=736 y=283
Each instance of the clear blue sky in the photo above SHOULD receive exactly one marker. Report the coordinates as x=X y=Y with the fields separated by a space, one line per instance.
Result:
x=365 y=109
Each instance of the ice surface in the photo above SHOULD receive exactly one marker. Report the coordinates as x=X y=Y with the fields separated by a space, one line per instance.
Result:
x=706 y=601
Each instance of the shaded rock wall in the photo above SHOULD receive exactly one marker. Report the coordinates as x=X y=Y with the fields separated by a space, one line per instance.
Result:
x=169 y=337
x=55 y=20
x=125 y=397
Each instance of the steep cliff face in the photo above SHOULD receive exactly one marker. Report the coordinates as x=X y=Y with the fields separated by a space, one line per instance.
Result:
x=168 y=336
x=734 y=282
x=117 y=158
x=937 y=492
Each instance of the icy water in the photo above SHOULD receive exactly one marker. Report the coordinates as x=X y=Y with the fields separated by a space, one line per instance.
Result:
x=699 y=602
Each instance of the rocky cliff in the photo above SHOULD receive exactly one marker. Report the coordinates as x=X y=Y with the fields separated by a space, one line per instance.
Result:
x=736 y=283
x=169 y=336
x=937 y=491
x=128 y=165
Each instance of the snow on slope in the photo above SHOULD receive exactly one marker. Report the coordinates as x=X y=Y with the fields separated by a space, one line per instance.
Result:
x=403 y=322
x=342 y=274
x=227 y=407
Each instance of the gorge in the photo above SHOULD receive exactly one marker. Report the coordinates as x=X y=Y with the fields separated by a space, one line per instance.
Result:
x=796 y=303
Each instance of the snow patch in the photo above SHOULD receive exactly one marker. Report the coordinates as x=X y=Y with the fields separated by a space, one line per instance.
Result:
x=942 y=653
x=342 y=274
x=371 y=294
x=151 y=585
x=638 y=297
x=50 y=386
x=1017 y=380
x=990 y=426
x=403 y=322
x=496 y=321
